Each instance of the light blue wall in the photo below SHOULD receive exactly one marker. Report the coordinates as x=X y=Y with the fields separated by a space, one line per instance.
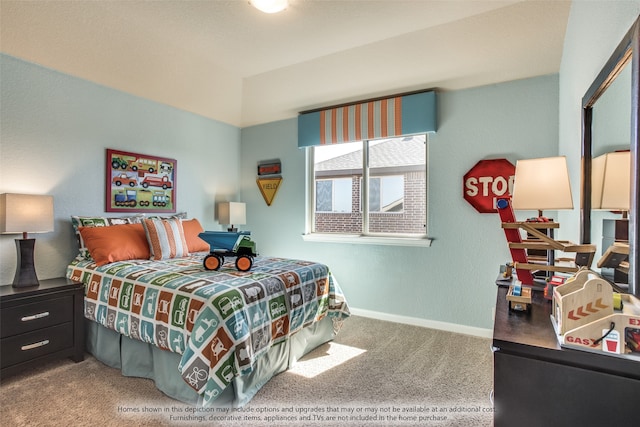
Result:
x=453 y=281
x=54 y=130
x=594 y=30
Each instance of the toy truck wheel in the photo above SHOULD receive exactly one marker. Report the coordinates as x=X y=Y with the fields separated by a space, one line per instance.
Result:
x=213 y=262
x=244 y=263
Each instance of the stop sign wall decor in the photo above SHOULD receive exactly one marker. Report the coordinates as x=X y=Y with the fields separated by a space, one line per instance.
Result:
x=486 y=181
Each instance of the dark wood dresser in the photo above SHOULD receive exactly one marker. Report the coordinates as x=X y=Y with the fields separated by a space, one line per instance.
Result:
x=40 y=324
x=538 y=383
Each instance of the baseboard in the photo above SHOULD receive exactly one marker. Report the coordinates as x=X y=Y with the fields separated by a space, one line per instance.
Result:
x=415 y=321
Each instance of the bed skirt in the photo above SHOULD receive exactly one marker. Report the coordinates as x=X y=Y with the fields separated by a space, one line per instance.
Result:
x=138 y=359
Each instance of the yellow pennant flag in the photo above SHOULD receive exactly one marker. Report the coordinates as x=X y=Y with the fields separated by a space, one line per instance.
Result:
x=269 y=187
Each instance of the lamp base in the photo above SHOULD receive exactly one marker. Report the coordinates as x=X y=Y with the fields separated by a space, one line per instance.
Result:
x=25 y=269
x=232 y=229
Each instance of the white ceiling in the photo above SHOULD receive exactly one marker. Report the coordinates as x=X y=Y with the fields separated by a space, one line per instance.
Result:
x=228 y=61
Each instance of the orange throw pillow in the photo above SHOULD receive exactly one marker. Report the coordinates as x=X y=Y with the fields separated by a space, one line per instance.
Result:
x=116 y=243
x=191 y=229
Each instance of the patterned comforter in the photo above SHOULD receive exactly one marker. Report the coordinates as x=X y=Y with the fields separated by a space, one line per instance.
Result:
x=222 y=321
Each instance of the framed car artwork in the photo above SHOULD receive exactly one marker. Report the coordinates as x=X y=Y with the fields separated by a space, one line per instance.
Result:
x=140 y=182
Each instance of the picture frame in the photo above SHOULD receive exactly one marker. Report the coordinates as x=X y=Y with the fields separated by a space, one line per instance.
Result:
x=140 y=182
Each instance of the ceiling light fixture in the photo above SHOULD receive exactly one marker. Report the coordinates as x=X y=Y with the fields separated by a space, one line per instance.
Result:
x=270 y=6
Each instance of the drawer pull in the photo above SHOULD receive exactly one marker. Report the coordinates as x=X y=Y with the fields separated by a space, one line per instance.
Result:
x=35 y=316
x=34 y=345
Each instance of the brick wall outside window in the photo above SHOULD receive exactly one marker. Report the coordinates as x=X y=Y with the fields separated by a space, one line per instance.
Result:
x=410 y=220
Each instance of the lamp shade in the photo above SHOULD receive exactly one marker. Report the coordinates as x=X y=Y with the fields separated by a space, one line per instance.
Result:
x=25 y=213
x=232 y=213
x=541 y=184
x=611 y=181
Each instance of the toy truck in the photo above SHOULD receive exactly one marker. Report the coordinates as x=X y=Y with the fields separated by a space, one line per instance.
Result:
x=220 y=243
x=519 y=298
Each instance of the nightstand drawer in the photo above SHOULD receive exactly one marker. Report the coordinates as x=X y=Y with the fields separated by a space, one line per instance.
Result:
x=29 y=317
x=21 y=348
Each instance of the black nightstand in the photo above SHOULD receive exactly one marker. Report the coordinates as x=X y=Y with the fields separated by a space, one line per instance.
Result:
x=40 y=324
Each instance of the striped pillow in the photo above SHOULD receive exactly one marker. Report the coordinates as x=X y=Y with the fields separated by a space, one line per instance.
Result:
x=166 y=238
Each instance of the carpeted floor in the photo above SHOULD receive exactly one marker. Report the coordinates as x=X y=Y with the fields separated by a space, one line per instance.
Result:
x=373 y=373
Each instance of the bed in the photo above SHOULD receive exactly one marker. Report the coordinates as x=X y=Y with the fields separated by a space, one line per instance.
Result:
x=211 y=338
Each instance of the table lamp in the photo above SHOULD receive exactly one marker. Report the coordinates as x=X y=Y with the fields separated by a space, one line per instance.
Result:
x=25 y=213
x=232 y=213
x=611 y=191
x=611 y=182
x=542 y=184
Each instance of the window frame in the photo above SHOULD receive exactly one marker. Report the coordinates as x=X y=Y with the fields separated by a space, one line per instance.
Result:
x=363 y=237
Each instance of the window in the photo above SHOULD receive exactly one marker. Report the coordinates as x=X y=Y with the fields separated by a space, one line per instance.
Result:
x=386 y=193
x=333 y=195
x=392 y=185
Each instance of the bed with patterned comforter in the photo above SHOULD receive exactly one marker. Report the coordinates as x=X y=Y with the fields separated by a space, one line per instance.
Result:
x=220 y=322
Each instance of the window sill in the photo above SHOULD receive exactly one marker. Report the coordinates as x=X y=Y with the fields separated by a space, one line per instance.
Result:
x=367 y=240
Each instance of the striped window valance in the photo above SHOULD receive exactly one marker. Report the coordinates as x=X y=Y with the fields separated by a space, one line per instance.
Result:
x=380 y=118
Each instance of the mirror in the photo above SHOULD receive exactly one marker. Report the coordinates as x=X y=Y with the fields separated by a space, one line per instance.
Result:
x=610 y=123
x=611 y=136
